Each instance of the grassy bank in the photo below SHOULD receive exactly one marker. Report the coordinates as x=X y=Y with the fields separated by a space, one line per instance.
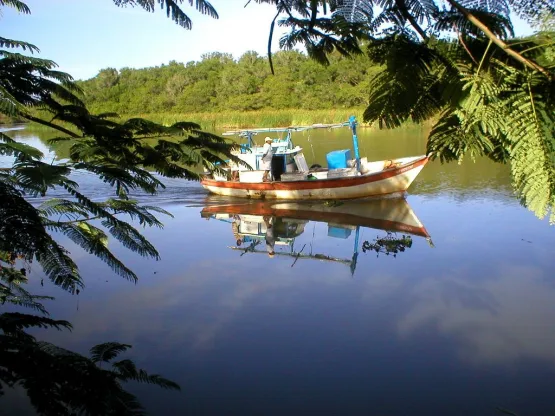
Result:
x=218 y=121
x=237 y=119
x=266 y=118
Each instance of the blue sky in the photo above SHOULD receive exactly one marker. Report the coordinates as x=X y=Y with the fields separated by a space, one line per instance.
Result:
x=84 y=36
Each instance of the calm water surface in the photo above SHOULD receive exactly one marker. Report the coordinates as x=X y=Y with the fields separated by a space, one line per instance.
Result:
x=456 y=329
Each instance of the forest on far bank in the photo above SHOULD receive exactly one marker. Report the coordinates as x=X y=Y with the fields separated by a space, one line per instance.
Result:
x=218 y=82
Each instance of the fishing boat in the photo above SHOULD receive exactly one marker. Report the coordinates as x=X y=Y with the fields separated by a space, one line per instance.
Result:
x=251 y=220
x=292 y=179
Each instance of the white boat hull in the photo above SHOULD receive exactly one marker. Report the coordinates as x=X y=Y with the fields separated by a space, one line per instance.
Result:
x=390 y=182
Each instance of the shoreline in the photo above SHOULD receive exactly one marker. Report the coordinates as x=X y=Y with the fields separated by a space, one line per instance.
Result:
x=228 y=120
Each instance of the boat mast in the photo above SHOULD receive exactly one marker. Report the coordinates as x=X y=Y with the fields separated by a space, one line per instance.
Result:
x=353 y=264
x=353 y=126
x=250 y=140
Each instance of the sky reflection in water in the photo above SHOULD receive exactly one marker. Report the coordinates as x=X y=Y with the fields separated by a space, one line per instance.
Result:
x=458 y=329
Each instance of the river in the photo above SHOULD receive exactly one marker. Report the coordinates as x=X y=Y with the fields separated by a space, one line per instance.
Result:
x=460 y=323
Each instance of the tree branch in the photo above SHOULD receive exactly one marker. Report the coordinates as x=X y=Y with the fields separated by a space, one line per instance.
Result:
x=491 y=36
x=461 y=40
x=52 y=125
x=401 y=5
x=270 y=42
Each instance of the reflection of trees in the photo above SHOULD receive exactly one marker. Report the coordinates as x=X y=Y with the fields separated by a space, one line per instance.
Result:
x=388 y=244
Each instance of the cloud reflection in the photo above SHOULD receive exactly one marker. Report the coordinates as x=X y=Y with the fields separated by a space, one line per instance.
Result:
x=190 y=309
x=494 y=320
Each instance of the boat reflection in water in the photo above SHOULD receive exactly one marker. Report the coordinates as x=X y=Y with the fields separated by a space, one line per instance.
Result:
x=260 y=227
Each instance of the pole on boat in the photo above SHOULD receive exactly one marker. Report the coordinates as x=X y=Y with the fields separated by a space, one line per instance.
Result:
x=353 y=126
x=250 y=141
x=353 y=265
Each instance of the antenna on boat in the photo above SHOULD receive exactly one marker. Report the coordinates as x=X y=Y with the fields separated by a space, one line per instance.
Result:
x=311 y=147
x=353 y=126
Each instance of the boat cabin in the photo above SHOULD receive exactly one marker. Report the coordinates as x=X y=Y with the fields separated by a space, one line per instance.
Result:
x=288 y=160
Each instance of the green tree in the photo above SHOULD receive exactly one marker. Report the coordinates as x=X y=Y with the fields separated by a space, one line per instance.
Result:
x=546 y=27
x=107 y=78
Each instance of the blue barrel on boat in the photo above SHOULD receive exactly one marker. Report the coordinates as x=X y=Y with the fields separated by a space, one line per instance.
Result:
x=338 y=232
x=338 y=159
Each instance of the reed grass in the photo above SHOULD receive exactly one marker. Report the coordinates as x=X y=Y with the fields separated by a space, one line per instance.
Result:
x=4 y=119
x=265 y=118
x=227 y=120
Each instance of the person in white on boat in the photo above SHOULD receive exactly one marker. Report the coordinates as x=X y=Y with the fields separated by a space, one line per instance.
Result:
x=235 y=229
x=270 y=238
x=266 y=160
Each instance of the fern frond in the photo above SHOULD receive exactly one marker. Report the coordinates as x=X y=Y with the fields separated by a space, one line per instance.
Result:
x=130 y=238
x=9 y=105
x=122 y=231
x=355 y=10
x=142 y=214
x=94 y=241
x=21 y=151
x=11 y=290
x=205 y=7
x=58 y=206
x=122 y=179
x=14 y=322
x=172 y=9
x=322 y=36
x=499 y=24
x=57 y=351
x=127 y=371
x=25 y=303
x=27 y=237
x=59 y=267
x=498 y=7
x=36 y=177
x=16 y=4
x=411 y=84
x=531 y=10
x=185 y=126
x=107 y=351
x=28 y=62
x=532 y=154
x=10 y=43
